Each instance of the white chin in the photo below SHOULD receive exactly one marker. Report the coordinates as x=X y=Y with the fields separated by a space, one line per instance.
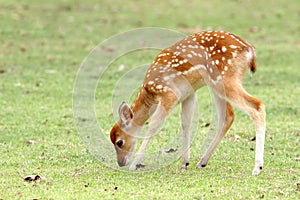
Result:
x=128 y=158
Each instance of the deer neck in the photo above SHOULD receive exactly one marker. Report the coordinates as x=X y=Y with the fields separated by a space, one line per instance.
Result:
x=143 y=107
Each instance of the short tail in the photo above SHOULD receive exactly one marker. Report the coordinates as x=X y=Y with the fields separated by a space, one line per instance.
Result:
x=252 y=59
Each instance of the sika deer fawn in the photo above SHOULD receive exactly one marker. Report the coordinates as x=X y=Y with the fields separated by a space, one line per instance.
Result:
x=216 y=59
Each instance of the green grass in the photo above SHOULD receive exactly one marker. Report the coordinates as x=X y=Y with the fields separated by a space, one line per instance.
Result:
x=42 y=45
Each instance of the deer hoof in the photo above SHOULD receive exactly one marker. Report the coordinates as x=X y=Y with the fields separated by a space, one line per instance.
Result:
x=256 y=170
x=201 y=164
x=184 y=166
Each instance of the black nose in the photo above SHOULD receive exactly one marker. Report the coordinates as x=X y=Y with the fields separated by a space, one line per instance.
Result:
x=121 y=163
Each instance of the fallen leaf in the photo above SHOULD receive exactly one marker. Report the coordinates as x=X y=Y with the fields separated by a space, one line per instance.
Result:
x=164 y=152
x=206 y=124
x=29 y=142
x=171 y=150
x=23 y=49
x=138 y=166
x=254 y=29
x=31 y=178
x=38 y=84
x=281 y=192
x=235 y=138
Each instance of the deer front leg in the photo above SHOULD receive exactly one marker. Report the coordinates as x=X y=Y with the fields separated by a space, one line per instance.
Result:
x=187 y=113
x=225 y=116
x=156 y=121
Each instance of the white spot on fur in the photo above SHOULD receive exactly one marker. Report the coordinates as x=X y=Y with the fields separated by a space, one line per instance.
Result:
x=150 y=82
x=165 y=88
x=224 y=49
x=159 y=87
x=173 y=75
x=194 y=53
x=234 y=54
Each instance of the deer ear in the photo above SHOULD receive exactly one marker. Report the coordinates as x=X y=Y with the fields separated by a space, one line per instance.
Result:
x=125 y=113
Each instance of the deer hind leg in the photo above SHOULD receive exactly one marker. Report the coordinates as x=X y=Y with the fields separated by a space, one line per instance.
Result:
x=225 y=116
x=187 y=113
x=256 y=109
x=157 y=119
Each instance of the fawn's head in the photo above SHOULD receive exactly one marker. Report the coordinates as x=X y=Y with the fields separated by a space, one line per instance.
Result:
x=122 y=135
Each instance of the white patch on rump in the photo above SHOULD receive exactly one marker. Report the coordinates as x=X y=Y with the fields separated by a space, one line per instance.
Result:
x=249 y=55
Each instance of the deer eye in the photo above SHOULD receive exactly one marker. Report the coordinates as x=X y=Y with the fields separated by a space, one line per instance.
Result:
x=119 y=143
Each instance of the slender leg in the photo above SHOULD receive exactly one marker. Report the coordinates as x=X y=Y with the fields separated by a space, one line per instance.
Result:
x=187 y=113
x=225 y=117
x=256 y=109
x=259 y=153
x=259 y=119
x=156 y=121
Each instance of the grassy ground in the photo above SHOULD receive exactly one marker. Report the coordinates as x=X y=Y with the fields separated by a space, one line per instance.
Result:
x=42 y=44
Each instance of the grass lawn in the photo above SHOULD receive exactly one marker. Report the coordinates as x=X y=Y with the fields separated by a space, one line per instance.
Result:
x=43 y=43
